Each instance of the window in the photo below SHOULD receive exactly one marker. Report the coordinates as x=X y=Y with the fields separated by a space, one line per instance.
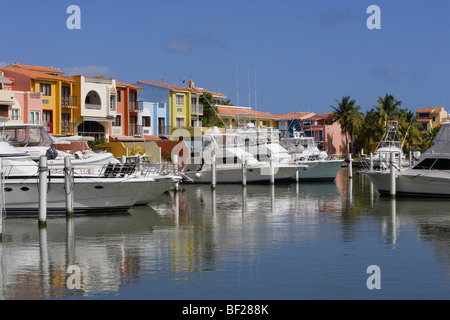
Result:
x=15 y=114
x=45 y=89
x=424 y=115
x=434 y=118
x=118 y=121
x=147 y=121
x=179 y=100
x=65 y=96
x=180 y=122
x=34 y=117
x=179 y=109
x=65 y=123
x=112 y=102
x=433 y=164
x=118 y=95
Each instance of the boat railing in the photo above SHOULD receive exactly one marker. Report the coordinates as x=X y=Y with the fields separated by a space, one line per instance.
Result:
x=112 y=170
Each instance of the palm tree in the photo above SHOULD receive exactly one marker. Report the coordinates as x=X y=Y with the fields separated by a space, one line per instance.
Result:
x=347 y=114
x=429 y=137
x=409 y=129
x=371 y=130
x=388 y=107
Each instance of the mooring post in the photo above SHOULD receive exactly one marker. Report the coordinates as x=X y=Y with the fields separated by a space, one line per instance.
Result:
x=272 y=172
x=43 y=187
x=392 y=180
x=1 y=201
x=244 y=173
x=297 y=176
x=123 y=159
x=213 y=169
x=371 y=161
x=350 y=166
x=176 y=167
x=68 y=185
x=410 y=159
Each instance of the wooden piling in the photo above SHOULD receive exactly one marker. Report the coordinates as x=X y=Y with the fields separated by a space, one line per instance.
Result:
x=392 y=177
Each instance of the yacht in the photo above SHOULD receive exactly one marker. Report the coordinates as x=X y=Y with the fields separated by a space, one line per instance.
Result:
x=113 y=186
x=313 y=164
x=390 y=142
x=230 y=154
x=429 y=177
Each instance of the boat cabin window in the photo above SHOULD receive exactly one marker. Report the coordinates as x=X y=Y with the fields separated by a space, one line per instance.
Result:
x=433 y=164
x=27 y=136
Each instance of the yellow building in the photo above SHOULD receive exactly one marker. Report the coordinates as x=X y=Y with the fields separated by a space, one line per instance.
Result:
x=430 y=118
x=56 y=93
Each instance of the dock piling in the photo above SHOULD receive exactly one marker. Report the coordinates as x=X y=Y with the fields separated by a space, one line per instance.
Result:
x=350 y=166
x=392 y=177
x=213 y=169
x=68 y=186
x=43 y=187
x=244 y=173
x=272 y=173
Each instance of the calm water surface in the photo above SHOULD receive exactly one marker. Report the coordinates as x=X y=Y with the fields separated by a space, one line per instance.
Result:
x=305 y=241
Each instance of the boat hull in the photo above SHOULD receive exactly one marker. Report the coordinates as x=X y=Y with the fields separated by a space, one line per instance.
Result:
x=412 y=183
x=233 y=174
x=320 y=170
x=90 y=194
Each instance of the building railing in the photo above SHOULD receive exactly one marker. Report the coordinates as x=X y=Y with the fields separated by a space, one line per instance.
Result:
x=197 y=109
x=69 y=101
x=136 y=106
x=93 y=106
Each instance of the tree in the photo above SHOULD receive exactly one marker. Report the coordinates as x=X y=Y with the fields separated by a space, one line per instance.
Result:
x=388 y=107
x=209 y=110
x=409 y=130
x=370 y=131
x=347 y=114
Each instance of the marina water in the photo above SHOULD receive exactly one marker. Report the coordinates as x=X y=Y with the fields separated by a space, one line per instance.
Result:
x=282 y=242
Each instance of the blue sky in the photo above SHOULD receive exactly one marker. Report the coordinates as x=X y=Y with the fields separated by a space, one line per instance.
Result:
x=287 y=55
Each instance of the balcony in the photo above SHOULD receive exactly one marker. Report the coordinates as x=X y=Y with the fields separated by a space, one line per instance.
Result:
x=135 y=106
x=69 y=101
x=197 y=109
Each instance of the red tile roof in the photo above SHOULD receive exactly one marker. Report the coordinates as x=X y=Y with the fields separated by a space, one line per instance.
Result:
x=122 y=84
x=34 y=68
x=178 y=88
x=37 y=74
x=430 y=110
x=295 y=115
x=244 y=112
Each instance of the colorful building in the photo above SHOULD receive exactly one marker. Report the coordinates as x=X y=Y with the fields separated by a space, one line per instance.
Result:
x=234 y=116
x=430 y=117
x=97 y=106
x=327 y=136
x=126 y=124
x=56 y=92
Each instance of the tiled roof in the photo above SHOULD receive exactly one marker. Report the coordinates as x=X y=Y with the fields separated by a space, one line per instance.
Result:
x=295 y=115
x=245 y=112
x=33 y=68
x=178 y=88
x=37 y=74
x=122 y=84
x=430 y=110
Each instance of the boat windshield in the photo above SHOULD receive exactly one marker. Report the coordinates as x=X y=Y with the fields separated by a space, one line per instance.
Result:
x=433 y=164
x=24 y=136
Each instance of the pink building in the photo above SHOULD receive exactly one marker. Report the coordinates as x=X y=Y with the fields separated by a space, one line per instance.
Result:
x=327 y=135
x=17 y=101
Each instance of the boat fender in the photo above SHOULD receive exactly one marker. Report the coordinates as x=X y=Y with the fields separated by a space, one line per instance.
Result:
x=198 y=174
x=78 y=155
x=51 y=153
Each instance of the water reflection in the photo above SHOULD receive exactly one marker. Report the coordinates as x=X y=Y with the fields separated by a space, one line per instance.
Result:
x=196 y=233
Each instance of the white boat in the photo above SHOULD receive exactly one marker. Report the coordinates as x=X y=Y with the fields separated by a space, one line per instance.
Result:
x=113 y=190
x=33 y=140
x=313 y=164
x=230 y=155
x=390 y=142
x=429 y=177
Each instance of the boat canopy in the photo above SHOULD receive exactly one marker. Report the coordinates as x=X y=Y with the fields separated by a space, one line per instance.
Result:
x=27 y=136
x=441 y=143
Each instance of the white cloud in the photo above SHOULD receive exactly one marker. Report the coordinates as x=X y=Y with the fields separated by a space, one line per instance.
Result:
x=92 y=70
